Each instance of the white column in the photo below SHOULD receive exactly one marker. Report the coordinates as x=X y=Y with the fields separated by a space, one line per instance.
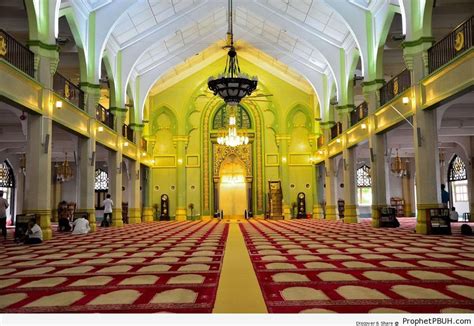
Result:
x=38 y=171
x=425 y=140
x=330 y=182
x=115 y=185
x=134 y=205
x=350 y=191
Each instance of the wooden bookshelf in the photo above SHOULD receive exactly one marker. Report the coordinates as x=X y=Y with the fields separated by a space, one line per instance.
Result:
x=399 y=205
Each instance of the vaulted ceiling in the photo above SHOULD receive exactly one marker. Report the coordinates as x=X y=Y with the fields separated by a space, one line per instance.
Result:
x=325 y=41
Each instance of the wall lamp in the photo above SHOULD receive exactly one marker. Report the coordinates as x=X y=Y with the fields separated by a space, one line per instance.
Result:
x=363 y=126
x=100 y=128
x=59 y=104
x=125 y=144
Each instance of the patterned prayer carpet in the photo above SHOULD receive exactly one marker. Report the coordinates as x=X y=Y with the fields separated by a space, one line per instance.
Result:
x=321 y=266
x=153 y=267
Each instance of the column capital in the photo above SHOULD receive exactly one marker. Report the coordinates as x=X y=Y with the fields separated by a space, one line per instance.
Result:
x=282 y=137
x=118 y=112
x=372 y=85
x=50 y=51
x=416 y=46
x=345 y=108
x=89 y=87
x=180 y=139
x=326 y=125
x=137 y=126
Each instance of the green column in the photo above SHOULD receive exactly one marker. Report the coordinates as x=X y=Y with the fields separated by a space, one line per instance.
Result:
x=282 y=141
x=181 y=209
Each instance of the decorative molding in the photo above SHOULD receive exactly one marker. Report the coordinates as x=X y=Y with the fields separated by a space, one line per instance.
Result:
x=38 y=43
x=327 y=124
x=89 y=85
x=243 y=153
x=421 y=40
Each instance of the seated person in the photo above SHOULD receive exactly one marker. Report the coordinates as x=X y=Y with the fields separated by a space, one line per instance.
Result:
x=63 y=217
x=453 y=215
x=34 y=235
x=81 y=226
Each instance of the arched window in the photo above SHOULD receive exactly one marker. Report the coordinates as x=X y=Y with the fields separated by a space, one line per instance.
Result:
x=364 y=184
x=221 y=119
x=457 y=176
x=7 y=185
x=457 y=169
x=363 y=177
x=101 y=187
x=101 y=180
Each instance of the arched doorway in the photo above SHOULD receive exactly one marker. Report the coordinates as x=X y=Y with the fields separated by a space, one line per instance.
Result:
x=233 y=194
x=458 y=185
x=7 y=185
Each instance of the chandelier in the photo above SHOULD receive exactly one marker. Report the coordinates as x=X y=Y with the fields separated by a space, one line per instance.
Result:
x=399 y=167
x=64 y=171
x=232 y=138
x=232 y=85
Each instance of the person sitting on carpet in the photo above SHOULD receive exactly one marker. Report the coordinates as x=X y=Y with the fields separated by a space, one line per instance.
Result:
x=63 y=217
x=453 y=215
x=34 y=235
x=81 y=226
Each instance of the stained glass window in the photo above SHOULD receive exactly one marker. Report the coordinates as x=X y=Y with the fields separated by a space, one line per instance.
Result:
x=101 y=180
x=457 y=170
x=363 y=177
x=7 y=179
x=221 y=119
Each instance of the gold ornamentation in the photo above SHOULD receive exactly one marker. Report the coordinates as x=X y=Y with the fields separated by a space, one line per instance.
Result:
x=244 y=153
x=3 y=46
x=459 y=41
x=395 y=86
x=67 y=90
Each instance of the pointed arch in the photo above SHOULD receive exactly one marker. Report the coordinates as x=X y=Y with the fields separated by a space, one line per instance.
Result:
x=457 y=170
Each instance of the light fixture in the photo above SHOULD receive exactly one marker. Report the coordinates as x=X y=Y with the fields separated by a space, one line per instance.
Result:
x=399 y=167
x=232 y=138
x=125 y=144
x=363 y=126
x=405 y=100
x=63 y=171
x=59 y=104
x=232 y=85
x=180 y=161
x=338 y=140
x=144 y=154
x=442 y=158
x=100 y=129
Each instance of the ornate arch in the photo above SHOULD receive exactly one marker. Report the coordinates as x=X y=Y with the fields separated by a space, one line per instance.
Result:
x=209 y=110
x=296 y=109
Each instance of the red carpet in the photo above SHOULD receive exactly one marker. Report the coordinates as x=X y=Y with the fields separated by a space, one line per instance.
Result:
x=155 y=267
x=321 y=266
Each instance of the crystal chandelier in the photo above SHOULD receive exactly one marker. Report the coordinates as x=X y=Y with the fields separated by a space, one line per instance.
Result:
x=232 y=85
x=64 y=171
x=233 y=138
